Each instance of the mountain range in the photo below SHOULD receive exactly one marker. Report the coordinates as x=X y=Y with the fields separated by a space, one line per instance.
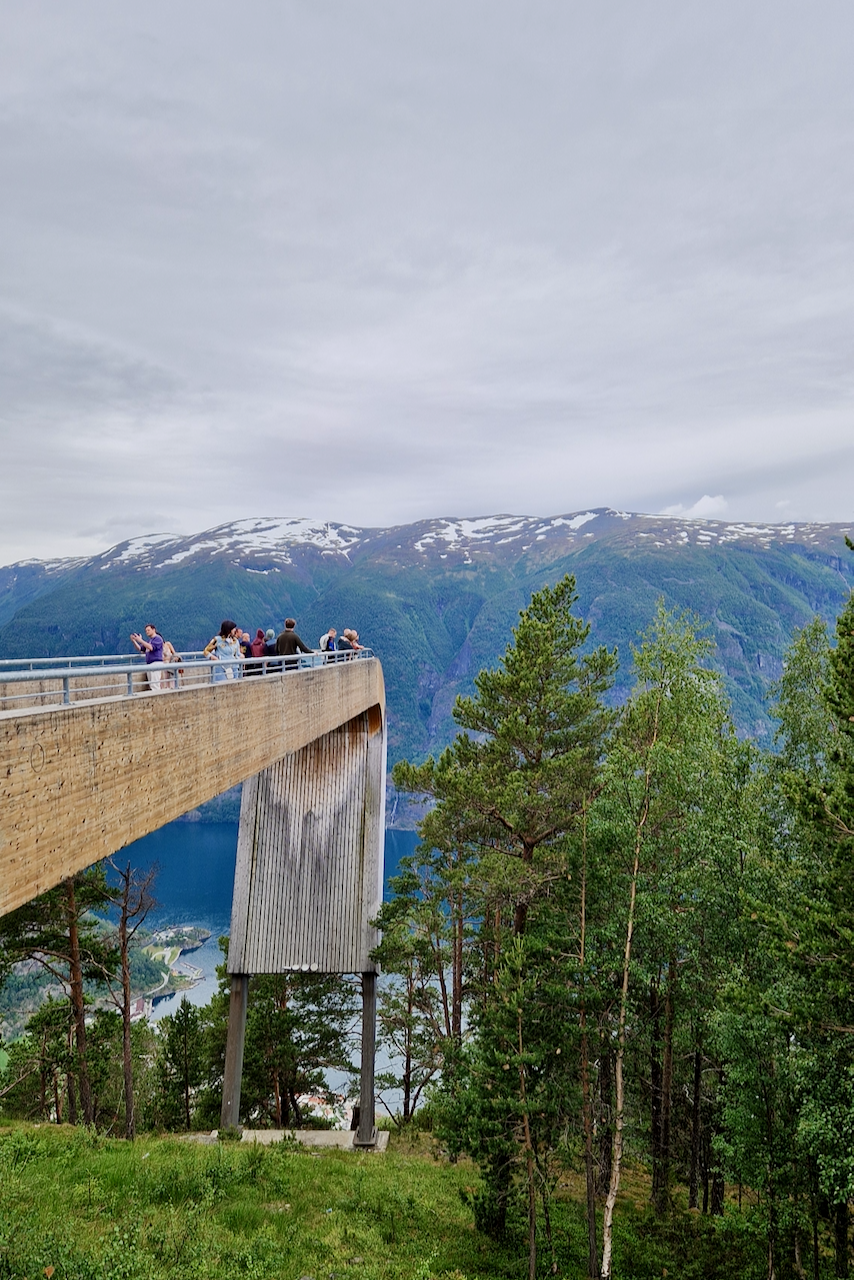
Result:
x=437 y=599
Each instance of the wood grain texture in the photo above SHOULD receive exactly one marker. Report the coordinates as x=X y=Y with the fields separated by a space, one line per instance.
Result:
x=78 y=783
x=309 y=857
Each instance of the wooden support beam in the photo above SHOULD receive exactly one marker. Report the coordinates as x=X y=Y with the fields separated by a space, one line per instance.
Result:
x=233 y=1076
x=366 y=1134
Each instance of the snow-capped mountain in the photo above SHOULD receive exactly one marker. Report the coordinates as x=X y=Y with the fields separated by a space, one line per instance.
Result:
x=283 y=541
x=437 y=598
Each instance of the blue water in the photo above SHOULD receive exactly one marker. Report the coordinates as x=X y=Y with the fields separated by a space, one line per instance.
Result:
x=195 y=880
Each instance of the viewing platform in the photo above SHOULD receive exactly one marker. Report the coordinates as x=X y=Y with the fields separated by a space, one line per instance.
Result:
x=91 y=759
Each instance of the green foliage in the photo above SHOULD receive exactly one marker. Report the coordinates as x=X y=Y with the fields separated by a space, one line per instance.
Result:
x=518 y=778
x=34 y=1083
x=624 y=944
x=165 y=1210
x=181 y=1066
x=298 y=1026
x=414 y=1013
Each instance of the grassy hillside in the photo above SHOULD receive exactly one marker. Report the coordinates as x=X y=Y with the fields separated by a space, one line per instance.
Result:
x=92 y=1208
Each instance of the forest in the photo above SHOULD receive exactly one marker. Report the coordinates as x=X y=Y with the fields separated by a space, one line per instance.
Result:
x=621 y=954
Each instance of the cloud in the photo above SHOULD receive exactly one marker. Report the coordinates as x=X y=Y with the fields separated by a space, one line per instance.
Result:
x=705 y=507
x=376 y=262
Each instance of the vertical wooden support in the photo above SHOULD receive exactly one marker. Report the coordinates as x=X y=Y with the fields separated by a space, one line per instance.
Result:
x=308 y=883
x=233 y=1076
x=366 y=1134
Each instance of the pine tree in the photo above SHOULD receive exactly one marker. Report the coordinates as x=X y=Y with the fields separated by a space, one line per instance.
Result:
x=181 y=1066
x=298 y=1027
x=59 y=932
x=415 y=1015
x=510 y=801
x=519 y=776
x=134 y=900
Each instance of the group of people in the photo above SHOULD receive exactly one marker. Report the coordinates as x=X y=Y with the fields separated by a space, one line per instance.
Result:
x=230 y=644
x=331 y=642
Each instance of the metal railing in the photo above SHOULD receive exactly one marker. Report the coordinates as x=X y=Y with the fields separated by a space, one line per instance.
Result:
x=36 y=683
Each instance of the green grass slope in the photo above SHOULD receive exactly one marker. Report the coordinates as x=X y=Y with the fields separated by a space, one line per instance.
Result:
x=78 y=1205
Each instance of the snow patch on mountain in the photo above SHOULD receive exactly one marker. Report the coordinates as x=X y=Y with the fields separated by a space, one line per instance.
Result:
x=140 y=548
x=266 y=544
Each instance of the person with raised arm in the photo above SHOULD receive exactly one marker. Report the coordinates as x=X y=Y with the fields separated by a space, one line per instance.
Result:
x=151 y=644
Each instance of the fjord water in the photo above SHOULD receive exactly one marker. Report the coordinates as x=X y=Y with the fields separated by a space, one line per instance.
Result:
x=194 y=884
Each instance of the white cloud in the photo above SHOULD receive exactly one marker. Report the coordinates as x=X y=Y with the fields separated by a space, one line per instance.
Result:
x=384 y=262
x=705 y=507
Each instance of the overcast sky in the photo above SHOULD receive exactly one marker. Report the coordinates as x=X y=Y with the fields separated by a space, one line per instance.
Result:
x=373 y=262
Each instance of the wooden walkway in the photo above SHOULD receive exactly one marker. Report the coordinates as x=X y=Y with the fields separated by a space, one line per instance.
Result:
x=79 y=782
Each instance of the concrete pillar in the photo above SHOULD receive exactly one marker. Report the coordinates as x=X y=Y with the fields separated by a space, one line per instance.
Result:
x=366 y=1134
x=233 y=1076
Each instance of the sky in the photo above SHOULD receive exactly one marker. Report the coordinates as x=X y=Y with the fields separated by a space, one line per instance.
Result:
x=376 y=262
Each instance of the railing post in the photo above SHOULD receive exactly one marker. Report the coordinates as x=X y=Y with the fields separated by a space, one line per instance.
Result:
x=130 y=684
x=66 y=690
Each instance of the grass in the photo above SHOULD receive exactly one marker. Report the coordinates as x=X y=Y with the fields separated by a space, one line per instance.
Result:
x=88 y=1207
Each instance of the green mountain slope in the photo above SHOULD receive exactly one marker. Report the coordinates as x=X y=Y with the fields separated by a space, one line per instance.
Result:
x=436 y=600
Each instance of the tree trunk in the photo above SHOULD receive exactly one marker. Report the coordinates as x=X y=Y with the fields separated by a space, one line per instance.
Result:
x=134 y=901
x=72 y=1098
x=606 y=1102
x=798 y=1261
x=661 y=1193
x=186 y=1082
x=457 y=969
x=617 y=1149
x=277 y=1100
x=407 y=1058
x=127 y=1058
x=773 y=1242
x=78 y=1008
x=814 y=1216
x=586 y=1100
x=717 y=1195
x=529 y=1161
x=520 y=914
x=694 y=1173
x=655 y=1088
x=447 y=1002
x=590 y=1177
x=840 y=1240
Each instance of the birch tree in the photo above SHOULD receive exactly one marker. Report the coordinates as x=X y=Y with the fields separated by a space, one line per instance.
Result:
x=660 y=767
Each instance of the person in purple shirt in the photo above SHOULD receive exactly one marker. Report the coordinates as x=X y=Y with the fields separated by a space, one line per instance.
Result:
x=151 y=644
